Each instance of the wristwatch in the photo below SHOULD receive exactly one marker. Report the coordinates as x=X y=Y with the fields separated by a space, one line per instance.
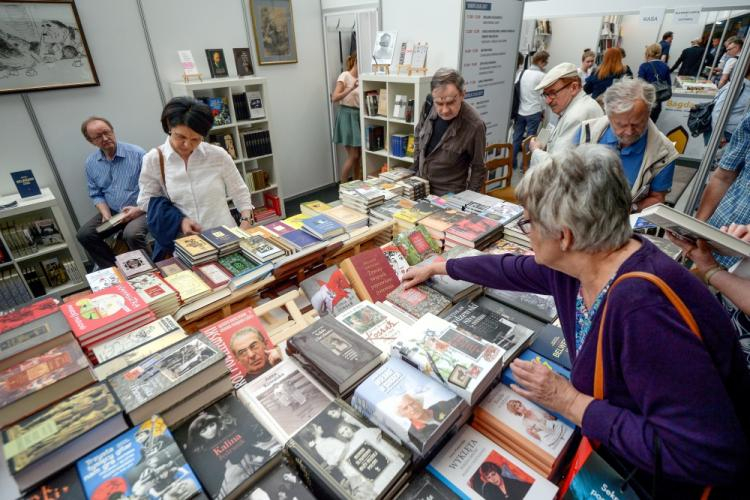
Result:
x=249 y=218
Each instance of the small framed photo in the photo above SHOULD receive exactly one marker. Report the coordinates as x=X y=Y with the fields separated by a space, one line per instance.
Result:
x=273 y=27
x=217 y=65
x=243 y=62
x=42 y=47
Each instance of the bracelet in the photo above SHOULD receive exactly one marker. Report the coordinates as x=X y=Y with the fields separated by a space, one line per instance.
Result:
x=710 y=274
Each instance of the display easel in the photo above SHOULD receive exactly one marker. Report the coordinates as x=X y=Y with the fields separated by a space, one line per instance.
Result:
x=405 y=67
x=377 y=68
x=187 y=76
x=279 y=331
x=422 y=70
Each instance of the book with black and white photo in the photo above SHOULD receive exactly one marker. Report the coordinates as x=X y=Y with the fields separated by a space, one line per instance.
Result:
x=255 y=101
x=373 y=323
x=281 y=483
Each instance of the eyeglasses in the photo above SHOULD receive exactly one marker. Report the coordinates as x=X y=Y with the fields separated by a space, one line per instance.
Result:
x=109 y=134
x=524 y=225
x=553 y=94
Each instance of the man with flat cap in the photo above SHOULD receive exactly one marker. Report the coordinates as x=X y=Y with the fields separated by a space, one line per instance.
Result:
x=562 y=91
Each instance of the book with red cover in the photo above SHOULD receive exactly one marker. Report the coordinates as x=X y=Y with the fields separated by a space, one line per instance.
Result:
x=104 y=310
x=27 y=313
x=272 y=201
x=279 y=228
x=370 y=275
x=248 y=348
x=472 y=229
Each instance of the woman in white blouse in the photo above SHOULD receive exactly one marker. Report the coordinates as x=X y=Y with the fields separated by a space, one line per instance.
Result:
x=197 y=176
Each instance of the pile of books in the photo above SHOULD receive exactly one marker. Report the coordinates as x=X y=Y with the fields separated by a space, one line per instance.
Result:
x=116 y=346
x=260 y=249
x=347 y=217
x=257 y=143
x=512 y=233
x=244 y=271
x=360 y=196
x=161 y=298
x=415 y=188
x=188 y=285
x=264 y=214
x=387 y=210
x=322 y=227
x=222 y=239
x=193 y=249
x=408 y=218
x=135 y=263
x=314 y=207
x=396 y=174
x=473 y=231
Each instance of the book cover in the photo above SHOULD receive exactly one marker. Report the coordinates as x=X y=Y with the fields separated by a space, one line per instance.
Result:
x=425 y=486
x=213 y=274
x=284 y=399
x=105 y=370
x=473 y=228
x=474 y=467
x=370 y=274
x=396 y=259
x=13 y=318
x=417 y=212
x=62 y=486
x=441 y=220
x=373 y=324
x=408 y=405
x=194 y=245
x=220 y=237
x=145 y=380
x=242 y=61
x=103 y=309
x=416 y=244
x=550 y=343
x=188 y=285
x=217 y=65
x=49 y=233
x=225 y=445
x=247 y=348
x=255 y=101
x=335 y=351
x=295 y=221
x=345 y=216
x=45 y=431
x=281 y=483
x=112 y=348
x=25 y=337
x=322 y=225
x=419 y=300
x=144 y=462
x=133 y=263
x=31 y=375
x=25 y=183
x=329 y=291
x=348 y=455
x=54 y=271
x=539 y=306
x=464 y=363
x=104 y=278
x=260 y=249
x=168 y=267
x=237 y=264
x=528 y=355
x=279 y=228
x=151 y=288
x=454 y=290
x=314 y=207
x=300 y=239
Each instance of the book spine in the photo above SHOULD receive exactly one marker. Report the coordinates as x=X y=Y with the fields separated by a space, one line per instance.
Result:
x=351 y=274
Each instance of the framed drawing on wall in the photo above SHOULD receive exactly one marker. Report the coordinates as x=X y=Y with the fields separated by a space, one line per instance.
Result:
x=42 y=47
x=273 y=28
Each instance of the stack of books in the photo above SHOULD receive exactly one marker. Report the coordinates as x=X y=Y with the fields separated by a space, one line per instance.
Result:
x=116 y=346
x=399 y=143
x=161 y=298
x=419 y=300
x=222 y=239
x=244 y=271
x=407 y=218
x=396 y=174
x=473 y=231
x=513 y=234
x=387 y=210
x=360 y=196
x=32 y=330
x=300 y=239
x=188 y=286
x=503 y=212
x=135 y=263
x=314 y=207
x=264 y=214
x=373 y=323
x=104 y=278
x=350 y=219
x=415 y=188
x=453 y=290
x=439 y=221
x=260 y=249
x=192 y=250
x=391 y=189
x=322 y=227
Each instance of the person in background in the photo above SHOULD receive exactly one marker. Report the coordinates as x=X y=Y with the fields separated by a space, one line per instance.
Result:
x=628 y=71
x=653 y=70
x=734 y=47
x=195 y=176
x=562 y=90
x=666 y=44
x=587 y=64
x=347 y=131
x=666 y=390
x=611 y=69
x=713 y=49
x=449 y=142
x=740 y=107
x=647 y=155
x=531 y=103
x=112 y=173
x=689 y=61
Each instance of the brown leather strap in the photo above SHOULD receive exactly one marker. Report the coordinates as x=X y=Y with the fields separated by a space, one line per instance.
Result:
x=161 y=169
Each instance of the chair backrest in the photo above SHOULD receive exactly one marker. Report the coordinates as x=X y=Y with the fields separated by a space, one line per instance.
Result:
x=526 y=153
x=497 y=156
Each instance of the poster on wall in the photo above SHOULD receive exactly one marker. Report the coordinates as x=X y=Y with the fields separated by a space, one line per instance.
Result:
x=273 y=28
x=42 y=47
x=490 y=37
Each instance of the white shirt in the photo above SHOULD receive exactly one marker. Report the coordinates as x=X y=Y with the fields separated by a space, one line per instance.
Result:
x=352 y=98
x=199 y=190
x=531 y=101
x=729 y=66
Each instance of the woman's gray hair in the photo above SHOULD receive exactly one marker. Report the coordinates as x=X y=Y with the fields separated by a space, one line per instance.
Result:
x=620 y=97
x=583 y=189
x=446 y=76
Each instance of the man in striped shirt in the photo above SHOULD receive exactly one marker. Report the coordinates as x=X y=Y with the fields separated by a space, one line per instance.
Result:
x=112 y=175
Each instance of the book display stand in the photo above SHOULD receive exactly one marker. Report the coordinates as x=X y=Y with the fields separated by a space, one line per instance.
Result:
x=187 y=76
x=381 y=68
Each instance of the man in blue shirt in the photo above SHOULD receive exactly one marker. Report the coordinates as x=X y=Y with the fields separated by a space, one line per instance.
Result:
x=112 y=175
x=666 y=44
x=647 y=155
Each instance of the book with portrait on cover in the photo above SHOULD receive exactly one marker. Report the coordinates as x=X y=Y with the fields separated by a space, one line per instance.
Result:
x=280 y=483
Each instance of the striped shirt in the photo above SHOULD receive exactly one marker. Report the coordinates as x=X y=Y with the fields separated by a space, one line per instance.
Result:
x=115 y=181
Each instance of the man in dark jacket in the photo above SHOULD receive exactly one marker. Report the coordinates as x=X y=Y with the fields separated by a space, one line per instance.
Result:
x=689 y=61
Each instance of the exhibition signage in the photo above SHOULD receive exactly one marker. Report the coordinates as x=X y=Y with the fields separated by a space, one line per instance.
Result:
x=651 y=15
x=686 y=15
x=489 y=44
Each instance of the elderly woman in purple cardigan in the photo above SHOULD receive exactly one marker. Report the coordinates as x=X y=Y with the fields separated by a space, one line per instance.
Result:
x=668 y=397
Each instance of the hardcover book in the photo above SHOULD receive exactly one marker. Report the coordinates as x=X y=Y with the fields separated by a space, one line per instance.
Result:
x=111 y=222
x=104 y=278
x=539 y=306
x=152 y=289
x=248 y=350
x=342 y=455
x=284 y=399
x=134 y=263
x=338 y=355
x=300 y=239
x=170 y=266
x=550 y=343
x=473 y=230
x=237 y=264
x=220 y=238
x=407 y=404
x=62 y=486
x=474 y=467
x=314 y=207
x=462 y=362
x=227 y=448
x=260 y=249
x=396 y=259
x=280 y=483
x=370 y=274
x=217 y=65
x=242 y=61
x=416 y=244
x=144 y=462
x=26 y=183
x=419 y=300
x=194 y=246
x=425 y=486
x=373 y=324
x=417 y=212
x=188 y=285
x=329 y=291
x=33 y=339
x=118 y=345
x=322 y=227
x=14 y=318
x=213 y=274
x=114 y=365
x=511 y=313
x=279 y=228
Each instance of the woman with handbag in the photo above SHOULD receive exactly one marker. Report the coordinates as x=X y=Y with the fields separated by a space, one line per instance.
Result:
x=656 y=72
x=663 y=402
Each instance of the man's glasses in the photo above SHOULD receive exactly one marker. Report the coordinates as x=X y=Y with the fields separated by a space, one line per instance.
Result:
x=97 y=138
x=552 y=94
x=524 y=225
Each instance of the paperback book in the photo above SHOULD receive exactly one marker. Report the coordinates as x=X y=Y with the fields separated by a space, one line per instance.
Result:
x=260 y=249
x=419 y=300
x=550 y=343
x=329 y=291
x=280 y=483
x=416 y=244
x=116 y=346
x=188 y=285
x=213 y=274
x=539 y=306
x=425 y=486
x=135 y=263
x=104 y=278
x=374 y=324
x=454 y=290
x=370 y=275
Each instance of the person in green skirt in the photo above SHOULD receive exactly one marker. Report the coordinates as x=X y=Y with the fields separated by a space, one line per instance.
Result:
x=347 y=132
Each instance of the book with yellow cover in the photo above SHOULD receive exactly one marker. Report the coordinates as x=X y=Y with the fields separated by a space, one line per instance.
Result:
x=194 y=245
x=314 y=207
x=188 y=285
x=295 y=221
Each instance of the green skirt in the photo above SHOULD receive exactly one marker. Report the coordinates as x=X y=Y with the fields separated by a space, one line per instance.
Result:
x=347 y=131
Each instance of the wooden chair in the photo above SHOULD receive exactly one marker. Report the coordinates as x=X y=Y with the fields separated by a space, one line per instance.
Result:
x=496 y=157
x=526 y=153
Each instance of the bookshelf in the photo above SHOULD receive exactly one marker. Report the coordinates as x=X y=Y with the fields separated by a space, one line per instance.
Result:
x=254 y=157
x=37 y=262
x=609 y=36
x=415 y=88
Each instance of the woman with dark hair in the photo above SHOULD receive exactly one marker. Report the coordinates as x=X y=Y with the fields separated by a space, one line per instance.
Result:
x=495 y=485
x=194 y=175
x=611 y=69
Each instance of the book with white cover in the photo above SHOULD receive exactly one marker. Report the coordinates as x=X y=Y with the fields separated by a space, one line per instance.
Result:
x=118 y=345
x=372 y=323
x=474 y=467
x=104 y=278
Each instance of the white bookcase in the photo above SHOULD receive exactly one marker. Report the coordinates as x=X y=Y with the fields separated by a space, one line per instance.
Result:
x=413 y=87
x=25 y=257
x=246 y=162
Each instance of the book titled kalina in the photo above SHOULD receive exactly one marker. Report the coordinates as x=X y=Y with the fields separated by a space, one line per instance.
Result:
x=248 y=350
x=410 y=406
x=550 y=343
x=465 y=364
x=329 y=291
x=370 y=275
x=337 y=355
x=474 y=467
x=280 y=483
x=144 y=462
x=227 y=448
x=342 y=455
x=374 y=324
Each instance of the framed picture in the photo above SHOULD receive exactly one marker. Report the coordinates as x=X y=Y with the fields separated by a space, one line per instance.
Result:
x=273 y=27
x=243 y=62
x=42 y=47
x=217 y=65
x=385 y=44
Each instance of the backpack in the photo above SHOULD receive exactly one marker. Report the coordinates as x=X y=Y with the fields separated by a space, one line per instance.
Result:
x=516 y=103
x=662 y=87
x=699 y=118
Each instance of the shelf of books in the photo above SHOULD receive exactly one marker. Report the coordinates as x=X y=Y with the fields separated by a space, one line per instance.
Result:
x=36 y=254
x=609 y=36
x=390 y=110
x=242 y=127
